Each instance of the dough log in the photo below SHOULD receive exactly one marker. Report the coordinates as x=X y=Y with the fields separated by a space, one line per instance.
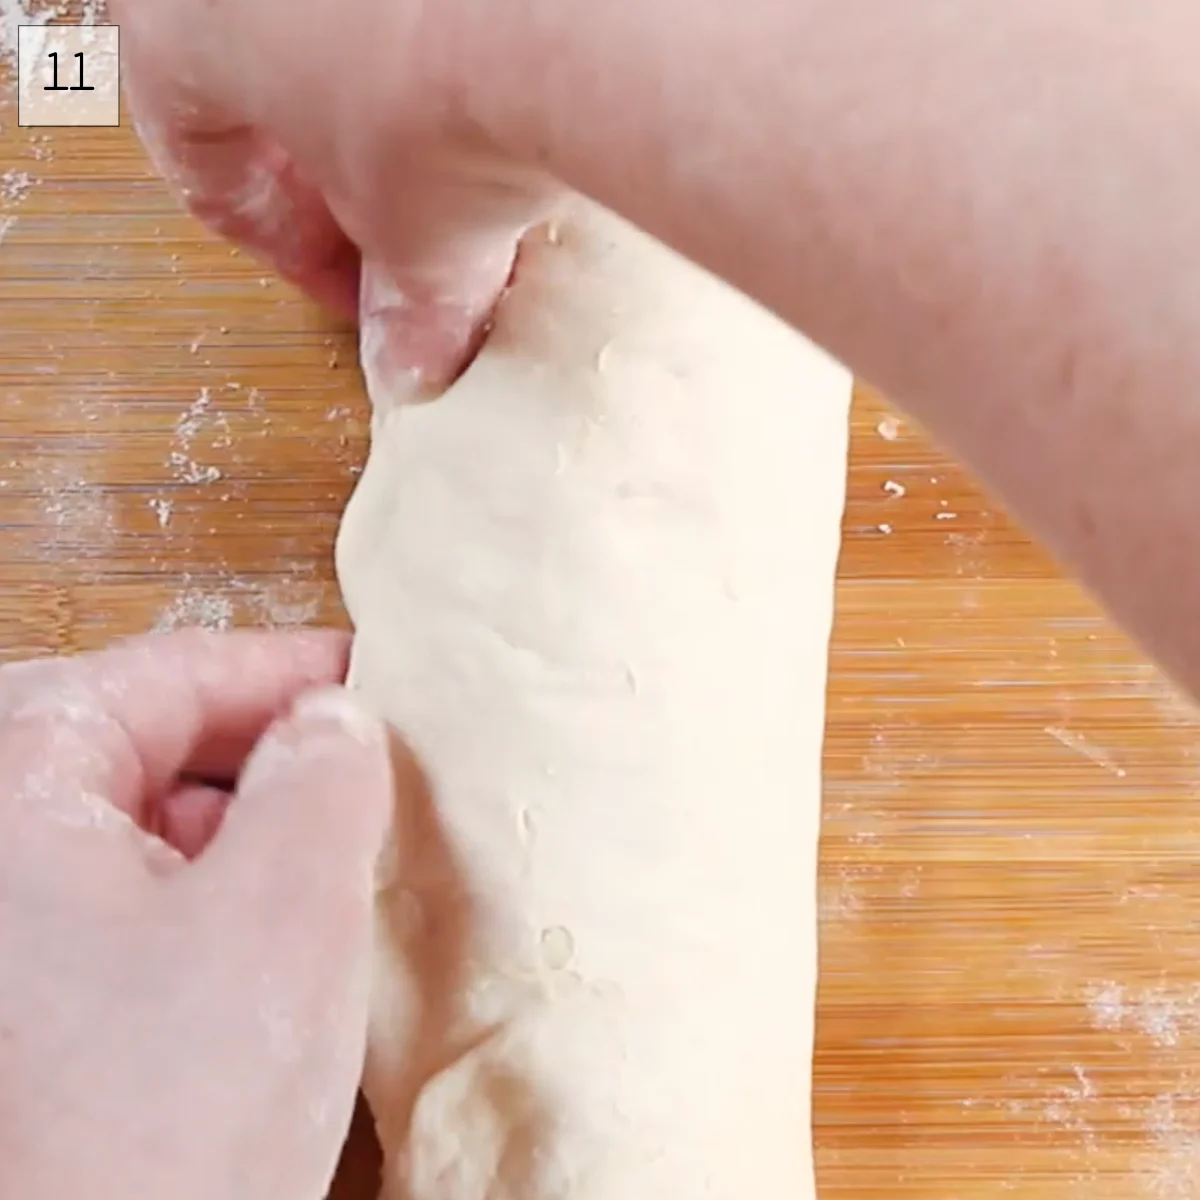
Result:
x=592 y=585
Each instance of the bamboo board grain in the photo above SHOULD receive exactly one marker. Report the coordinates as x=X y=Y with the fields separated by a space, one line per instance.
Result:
x=1010 y=995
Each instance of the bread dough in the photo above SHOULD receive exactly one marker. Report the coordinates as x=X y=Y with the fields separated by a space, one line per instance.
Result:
x=592 y=585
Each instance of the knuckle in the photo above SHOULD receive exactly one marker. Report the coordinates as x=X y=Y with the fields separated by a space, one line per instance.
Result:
x=56 y=710
x=46 y=685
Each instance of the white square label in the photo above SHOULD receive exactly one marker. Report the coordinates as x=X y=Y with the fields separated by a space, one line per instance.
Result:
x=68 y=75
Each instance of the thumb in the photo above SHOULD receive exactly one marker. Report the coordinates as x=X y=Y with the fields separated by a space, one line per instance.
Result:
x=299 y=843
x=287 y=893
x=420 y=329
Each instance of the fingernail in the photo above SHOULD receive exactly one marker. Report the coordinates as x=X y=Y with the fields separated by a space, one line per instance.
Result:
x=339 y=706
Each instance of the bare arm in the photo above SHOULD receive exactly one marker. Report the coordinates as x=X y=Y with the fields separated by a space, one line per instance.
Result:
x=987 y=208
x=990 y=210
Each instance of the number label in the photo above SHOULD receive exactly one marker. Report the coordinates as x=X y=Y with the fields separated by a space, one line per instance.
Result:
x=54 y=87
x=68 y=75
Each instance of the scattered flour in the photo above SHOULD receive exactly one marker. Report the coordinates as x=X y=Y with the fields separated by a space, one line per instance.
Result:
x=193 y=607
x=291 y=602
x=193 y=418
x=1063 y=1105
x=1107 y=1006
x=198 y=420
x=1092 y=1109
x=286 y=602
x=292 y=598
x=888 y=429
x=15 y=186
x=846 y=894
x=15 y=13
x=1170 y=1121
x=188 y=470
x=162 y=508
x=287 y=610
x=1163 y=1016
x=74 y=505
x=1172 y=1170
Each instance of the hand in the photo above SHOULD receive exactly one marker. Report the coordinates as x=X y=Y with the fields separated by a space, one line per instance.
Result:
x=314 y=132
x=184 y=1015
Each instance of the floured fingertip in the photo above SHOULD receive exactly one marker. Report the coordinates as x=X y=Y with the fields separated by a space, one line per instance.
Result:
x=340 y=707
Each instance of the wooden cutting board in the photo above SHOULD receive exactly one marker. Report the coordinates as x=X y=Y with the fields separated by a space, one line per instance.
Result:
x=1010 y=902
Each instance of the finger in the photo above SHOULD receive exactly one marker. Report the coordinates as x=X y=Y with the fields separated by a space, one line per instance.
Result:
x=247 y=189
x=300 y=841
x=431 y=283
x=188 y=819
x=125 y=723
x=418 y=337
